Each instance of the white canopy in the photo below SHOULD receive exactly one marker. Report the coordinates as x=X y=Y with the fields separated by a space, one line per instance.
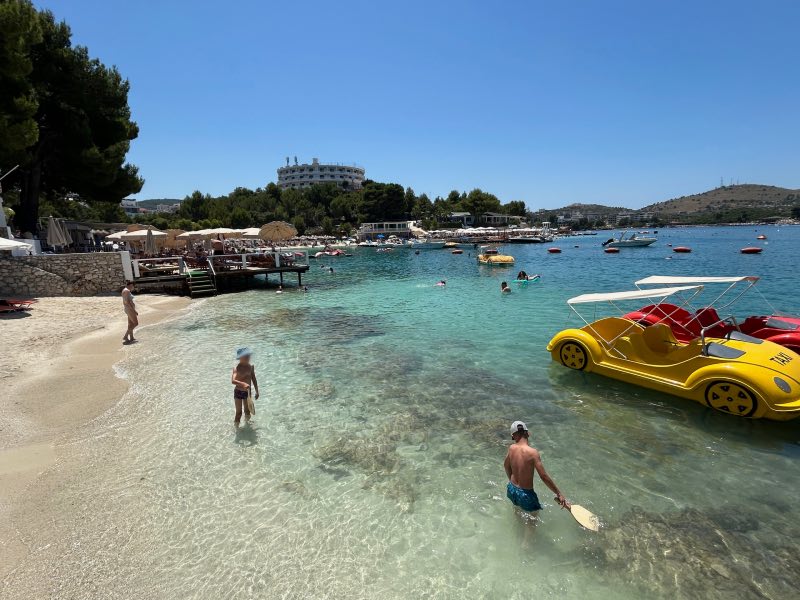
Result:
x=632 y=295
x=138 y=235
x=6 y=244
x=679 y=280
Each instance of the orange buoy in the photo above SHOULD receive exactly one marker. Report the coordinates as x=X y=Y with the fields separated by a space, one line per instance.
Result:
x=684 y=249
x=612 y=250
x=554 y=250
x=761 y=237
x=751 y=250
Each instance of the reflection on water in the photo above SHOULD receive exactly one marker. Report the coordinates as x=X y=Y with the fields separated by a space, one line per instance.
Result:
x=373 y=466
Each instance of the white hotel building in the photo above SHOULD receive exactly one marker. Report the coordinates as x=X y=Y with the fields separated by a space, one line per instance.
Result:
x=305 y=175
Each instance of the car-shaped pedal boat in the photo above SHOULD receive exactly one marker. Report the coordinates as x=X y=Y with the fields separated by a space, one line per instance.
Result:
x=781 y=328
x=737 y=374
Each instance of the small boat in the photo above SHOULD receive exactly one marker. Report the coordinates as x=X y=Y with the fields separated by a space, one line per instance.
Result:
x=632 y=241
x=498 y=260
x=761 y=237
x=450 y=245
x=457 y=251
x=489 y=250
x=751 y=250
x=683 y=249
x=612 y=250
x=554 y=250
x=425 y=244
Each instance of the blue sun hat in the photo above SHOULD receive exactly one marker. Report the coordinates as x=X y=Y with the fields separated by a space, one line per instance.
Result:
x=242 y=352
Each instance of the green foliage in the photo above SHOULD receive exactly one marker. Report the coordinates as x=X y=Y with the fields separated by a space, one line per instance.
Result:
x=83 y=125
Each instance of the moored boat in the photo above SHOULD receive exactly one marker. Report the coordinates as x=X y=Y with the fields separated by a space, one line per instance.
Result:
x=633 y=240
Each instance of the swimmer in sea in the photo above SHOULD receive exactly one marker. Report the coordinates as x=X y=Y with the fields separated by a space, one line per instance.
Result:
x=504 y=288
x=442 y=283
x=521 y=464
x=522 y=276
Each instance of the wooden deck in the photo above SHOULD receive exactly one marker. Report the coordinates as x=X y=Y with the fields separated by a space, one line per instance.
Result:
x=223 y=274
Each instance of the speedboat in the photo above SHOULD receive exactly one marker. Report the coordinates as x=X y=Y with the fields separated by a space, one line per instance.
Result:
x=368 y=243
x=634 y=240
x=689 y=322
x=425 y=244
x=736 y=374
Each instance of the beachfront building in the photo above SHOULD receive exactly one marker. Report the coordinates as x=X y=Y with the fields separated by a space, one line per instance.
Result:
x=466 y=219
x=376 y=231
x=499 y=220
x=305 y=175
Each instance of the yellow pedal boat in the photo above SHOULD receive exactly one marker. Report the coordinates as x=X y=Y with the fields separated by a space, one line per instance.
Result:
x=738 y=374
x=495 y=259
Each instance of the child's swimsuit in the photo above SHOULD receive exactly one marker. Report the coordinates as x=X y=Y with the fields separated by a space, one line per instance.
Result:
x=525 y=499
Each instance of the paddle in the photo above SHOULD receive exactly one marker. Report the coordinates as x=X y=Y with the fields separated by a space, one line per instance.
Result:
x=583 y=517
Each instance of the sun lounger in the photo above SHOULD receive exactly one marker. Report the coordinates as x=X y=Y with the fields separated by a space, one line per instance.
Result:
x=10 y=304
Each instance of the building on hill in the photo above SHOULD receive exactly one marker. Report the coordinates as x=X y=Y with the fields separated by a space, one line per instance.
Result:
x=466 y=219
x=305 y=175
x=498 y=219
x=131 y=207
x=379 y=231
x=167 y=208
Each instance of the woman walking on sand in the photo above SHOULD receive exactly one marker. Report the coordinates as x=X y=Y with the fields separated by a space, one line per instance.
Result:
x=130 y=311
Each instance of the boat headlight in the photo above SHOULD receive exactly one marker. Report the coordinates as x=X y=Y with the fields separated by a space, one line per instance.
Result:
x=783 y=385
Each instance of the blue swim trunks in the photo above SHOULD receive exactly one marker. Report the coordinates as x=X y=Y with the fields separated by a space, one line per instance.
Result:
x=525 y=499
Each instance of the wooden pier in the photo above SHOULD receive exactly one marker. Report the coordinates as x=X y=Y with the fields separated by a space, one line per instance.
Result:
x=210 y=275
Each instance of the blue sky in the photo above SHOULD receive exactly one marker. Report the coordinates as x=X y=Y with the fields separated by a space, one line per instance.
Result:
x=617 y=102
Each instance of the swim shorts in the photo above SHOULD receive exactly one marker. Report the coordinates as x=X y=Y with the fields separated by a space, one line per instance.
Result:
x=525 y=499
x=240 y=394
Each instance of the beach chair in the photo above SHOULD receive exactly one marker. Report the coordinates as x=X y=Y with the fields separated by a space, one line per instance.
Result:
x=12 y=304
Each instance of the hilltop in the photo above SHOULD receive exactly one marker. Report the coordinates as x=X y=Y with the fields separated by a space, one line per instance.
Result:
x=745 y=197
x=153 y=202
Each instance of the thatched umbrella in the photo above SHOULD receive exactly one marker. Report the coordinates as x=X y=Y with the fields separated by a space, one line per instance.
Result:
x=277 y=231
x=172 y=240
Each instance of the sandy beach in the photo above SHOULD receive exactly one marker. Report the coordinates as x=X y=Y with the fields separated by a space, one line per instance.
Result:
x=56 y=372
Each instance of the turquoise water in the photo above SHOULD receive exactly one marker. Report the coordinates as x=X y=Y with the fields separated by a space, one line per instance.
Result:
x=374 y=464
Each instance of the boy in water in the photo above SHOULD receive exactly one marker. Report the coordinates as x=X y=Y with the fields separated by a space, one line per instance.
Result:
x=521 y=462
x=243 y=374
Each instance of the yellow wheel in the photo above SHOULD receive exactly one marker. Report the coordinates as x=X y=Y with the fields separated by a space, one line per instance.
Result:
x=573 y=355
x=732 y=398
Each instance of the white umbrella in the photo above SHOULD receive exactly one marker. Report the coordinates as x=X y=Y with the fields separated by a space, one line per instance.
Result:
x=54 y=237
x=115 y=236
x=150 y=243
x=251 y=233
x=6 y=244
x=140 y=235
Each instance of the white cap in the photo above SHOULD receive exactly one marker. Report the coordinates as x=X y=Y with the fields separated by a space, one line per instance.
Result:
x=518 y=426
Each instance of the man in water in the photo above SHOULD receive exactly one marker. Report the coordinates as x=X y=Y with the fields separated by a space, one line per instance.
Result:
x=521 y=461
x=130 y=311
x=504 y=288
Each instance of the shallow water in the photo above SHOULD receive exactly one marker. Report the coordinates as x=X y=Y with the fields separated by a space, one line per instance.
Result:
x=374 y=464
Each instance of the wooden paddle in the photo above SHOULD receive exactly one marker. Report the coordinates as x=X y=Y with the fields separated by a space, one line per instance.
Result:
x=583 y=517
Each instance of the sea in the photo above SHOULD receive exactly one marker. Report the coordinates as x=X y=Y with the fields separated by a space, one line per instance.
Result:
x=373 y=467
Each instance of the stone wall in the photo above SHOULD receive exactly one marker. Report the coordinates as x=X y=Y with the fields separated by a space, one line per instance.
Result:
x=61 y=274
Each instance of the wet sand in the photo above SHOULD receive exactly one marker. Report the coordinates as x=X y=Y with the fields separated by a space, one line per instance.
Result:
x=57 y=375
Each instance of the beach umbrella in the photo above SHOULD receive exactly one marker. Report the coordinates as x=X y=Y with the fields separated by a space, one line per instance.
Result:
x=140 y=235
x=150 y=243
x=277 y=231
x=54 y=237
x=172 y=240
x=114 y=236
x=251 y=233
x=6 y=244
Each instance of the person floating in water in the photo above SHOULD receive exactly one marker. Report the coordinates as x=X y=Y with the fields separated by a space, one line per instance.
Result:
x=504 y=288
x=331 y=269
x=442 y=283
x=242 y=376
x=520 y=463
x=522 y=276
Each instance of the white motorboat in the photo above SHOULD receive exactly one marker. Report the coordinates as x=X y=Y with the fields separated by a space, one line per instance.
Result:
x=633 y=240
x=425 y=244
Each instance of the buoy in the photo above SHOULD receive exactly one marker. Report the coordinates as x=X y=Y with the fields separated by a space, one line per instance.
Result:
x=761 y=237
x=684 y=249
x=611 y=250
x=670 y=245
x=554 y=250
x=577 y=246
x=751 y=250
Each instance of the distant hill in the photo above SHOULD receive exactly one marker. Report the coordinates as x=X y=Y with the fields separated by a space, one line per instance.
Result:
x=153 y=202
x=586 y=209
x=745 y=197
